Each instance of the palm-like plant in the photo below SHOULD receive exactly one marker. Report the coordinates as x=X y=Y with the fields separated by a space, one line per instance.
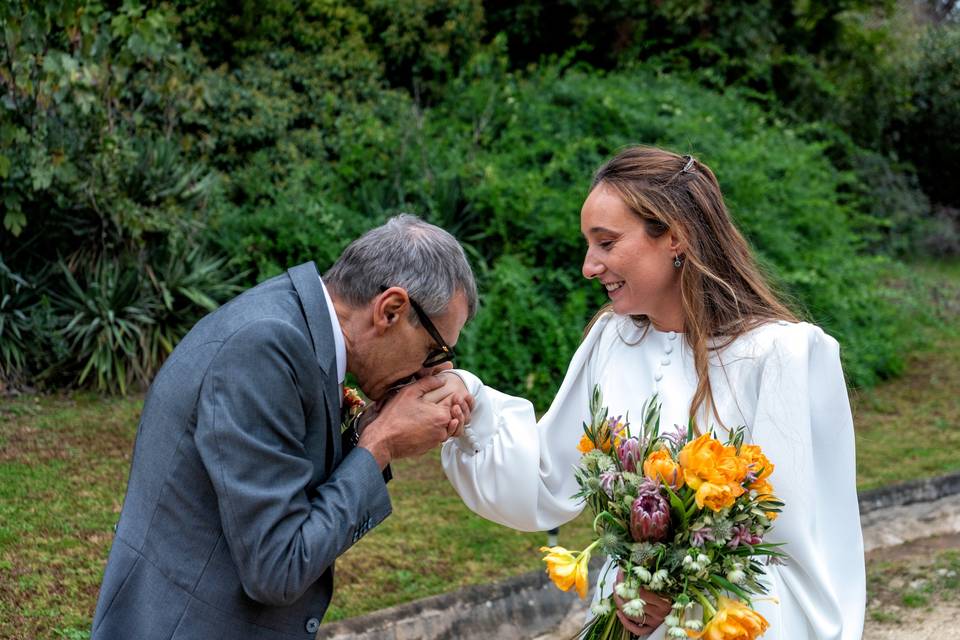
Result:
x=15 y=301
x=106 y=317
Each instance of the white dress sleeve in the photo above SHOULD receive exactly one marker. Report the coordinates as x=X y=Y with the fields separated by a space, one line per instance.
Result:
x=804 y=426
x=511 y=469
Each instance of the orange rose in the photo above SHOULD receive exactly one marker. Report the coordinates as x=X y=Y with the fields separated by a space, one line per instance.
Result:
x=717 y=496
x=660 y=466
x=759 y=464
x=706 y=460
x=763 y=488
x=733 y=621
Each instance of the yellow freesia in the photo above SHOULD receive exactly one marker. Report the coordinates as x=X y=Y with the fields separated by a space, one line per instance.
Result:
x=733 y=621
x=566 y=569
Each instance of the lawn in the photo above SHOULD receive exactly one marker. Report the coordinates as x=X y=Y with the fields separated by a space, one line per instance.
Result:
x=64 y=461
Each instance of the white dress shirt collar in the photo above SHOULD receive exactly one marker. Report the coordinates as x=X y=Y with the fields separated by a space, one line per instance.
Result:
x=338 y=341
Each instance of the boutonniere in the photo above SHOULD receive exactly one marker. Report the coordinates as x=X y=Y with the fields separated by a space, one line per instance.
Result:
x=353 y=406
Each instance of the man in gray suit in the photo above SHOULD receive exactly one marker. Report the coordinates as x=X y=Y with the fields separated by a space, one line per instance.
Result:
x=242 y=489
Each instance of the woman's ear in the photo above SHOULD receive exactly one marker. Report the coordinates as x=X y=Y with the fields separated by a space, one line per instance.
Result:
x=676 y=243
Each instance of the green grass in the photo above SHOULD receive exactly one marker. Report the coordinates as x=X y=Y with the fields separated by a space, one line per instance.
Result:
x=64 y=462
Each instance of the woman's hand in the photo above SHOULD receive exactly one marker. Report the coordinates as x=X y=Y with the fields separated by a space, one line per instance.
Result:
x=453 y=394
x=654 y=613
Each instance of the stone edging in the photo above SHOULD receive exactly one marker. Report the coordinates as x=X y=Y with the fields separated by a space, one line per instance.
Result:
x=902 y=494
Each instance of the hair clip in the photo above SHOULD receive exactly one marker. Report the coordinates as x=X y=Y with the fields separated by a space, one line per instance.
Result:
x=688 y=168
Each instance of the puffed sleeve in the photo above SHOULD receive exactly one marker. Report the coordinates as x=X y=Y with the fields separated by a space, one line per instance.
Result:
x=513 y=470
x=804 y=425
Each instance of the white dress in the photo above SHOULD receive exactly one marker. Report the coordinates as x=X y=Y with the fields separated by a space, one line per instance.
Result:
x=782 y=380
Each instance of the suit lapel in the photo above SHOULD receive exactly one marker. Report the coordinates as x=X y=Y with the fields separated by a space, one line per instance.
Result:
x=326 y=447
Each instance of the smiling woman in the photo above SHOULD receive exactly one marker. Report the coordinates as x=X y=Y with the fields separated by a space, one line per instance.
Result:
x=692 y=329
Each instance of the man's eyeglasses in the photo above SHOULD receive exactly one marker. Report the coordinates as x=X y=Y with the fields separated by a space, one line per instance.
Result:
x=443 y=353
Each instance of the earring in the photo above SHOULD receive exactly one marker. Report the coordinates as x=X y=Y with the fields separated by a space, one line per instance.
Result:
x=677 y=262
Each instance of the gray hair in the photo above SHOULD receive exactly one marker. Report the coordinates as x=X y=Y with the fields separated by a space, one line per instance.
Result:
x=405 y=252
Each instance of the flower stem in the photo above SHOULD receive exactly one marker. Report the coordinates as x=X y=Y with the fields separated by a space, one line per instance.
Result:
x=704 y=601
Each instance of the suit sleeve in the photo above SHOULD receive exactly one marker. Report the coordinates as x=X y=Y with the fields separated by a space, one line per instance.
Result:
x=251 y=426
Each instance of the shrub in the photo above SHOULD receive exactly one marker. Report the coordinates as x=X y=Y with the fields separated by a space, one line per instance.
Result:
x=504 y=162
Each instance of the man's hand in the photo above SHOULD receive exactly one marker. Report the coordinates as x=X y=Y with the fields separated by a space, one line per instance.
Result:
x=453 y=394
x=408 y=425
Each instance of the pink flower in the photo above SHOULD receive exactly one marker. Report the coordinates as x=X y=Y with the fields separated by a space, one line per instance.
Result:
x=629 y=452
x=650 y=514
x=742 y=535
x=701 y=536
x=609 y=482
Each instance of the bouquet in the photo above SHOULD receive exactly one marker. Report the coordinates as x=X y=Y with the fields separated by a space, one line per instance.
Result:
x=679 y=514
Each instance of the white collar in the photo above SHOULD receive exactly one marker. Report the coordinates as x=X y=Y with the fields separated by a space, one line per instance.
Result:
x=338 y=341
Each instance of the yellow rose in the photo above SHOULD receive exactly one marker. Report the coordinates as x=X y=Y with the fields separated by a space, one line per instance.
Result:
x=717 y=496
x=567 y=570
x=733 y=621
x=660 y=466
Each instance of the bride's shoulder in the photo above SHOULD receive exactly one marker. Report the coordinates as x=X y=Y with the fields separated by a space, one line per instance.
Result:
x=609 y=329
x=784 y=337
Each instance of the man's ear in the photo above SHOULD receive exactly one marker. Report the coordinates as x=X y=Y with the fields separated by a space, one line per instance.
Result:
x=389 y=308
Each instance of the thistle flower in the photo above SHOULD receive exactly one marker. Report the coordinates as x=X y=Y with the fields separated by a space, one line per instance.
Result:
x=649 y=514
x=630 y=454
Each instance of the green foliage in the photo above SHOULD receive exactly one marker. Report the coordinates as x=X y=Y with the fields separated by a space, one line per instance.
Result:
x=928 y=132
x=504 y=162
x=98 y=180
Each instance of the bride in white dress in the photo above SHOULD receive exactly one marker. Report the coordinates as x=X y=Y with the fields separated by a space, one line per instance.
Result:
x=692 y=319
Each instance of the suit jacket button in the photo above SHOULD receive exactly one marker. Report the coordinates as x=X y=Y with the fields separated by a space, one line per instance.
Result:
x=313 y=625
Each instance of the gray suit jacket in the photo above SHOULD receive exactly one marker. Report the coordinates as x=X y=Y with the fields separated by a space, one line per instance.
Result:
x=240 y=496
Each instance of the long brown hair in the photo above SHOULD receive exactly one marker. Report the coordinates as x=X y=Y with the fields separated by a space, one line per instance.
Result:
x=723 y=291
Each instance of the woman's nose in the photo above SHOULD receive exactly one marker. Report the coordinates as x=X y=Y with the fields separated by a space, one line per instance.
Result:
x=591 y=268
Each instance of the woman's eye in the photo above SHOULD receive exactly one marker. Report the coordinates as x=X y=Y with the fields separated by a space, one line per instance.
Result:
x=606 y=244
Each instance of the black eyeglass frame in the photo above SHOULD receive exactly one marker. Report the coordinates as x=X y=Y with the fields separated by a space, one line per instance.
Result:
x=445 y=352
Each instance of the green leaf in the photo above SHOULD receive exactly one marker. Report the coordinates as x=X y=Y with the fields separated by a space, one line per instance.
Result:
x=15 y=221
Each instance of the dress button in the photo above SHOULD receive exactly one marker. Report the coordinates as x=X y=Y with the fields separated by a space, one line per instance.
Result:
x=782 y=323
x=658 y=377
x=665 y=361
x=672 y=335
x=313 y=625
x=668 y=348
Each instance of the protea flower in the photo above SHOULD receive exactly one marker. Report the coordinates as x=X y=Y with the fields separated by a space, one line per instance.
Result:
x=650 y=514
x=630 y=455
